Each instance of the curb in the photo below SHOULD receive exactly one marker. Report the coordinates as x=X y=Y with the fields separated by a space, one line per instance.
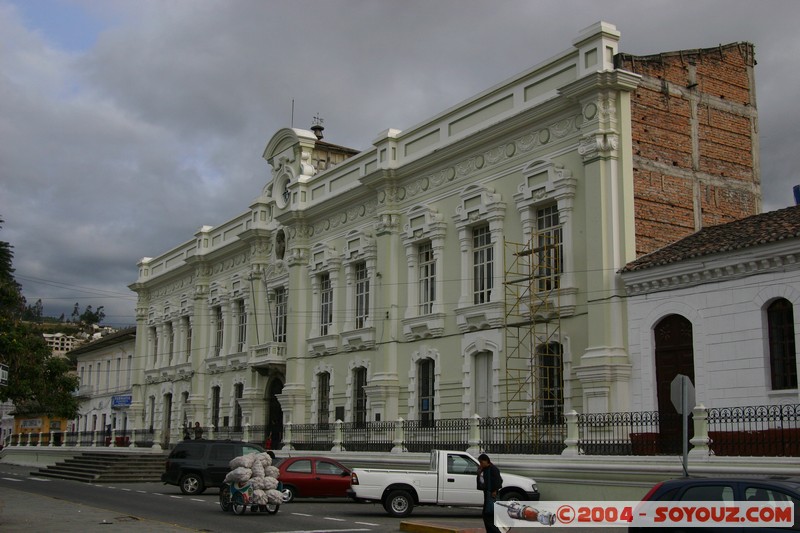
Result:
x=436 y=527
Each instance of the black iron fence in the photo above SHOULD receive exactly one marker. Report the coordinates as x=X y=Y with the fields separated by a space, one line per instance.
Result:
x=769 y=430
x=523 y=434
x=371 y=437
x=765 y=430
x=631 y=433
x=446 y=434
x=316 y=437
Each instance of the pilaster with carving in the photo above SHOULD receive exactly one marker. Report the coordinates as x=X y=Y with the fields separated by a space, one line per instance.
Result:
x=604 y=368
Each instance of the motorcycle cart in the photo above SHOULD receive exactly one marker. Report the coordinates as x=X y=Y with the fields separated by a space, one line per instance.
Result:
x=239 y=497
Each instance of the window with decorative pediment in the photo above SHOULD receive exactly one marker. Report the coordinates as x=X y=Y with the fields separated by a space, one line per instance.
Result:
x=423 y=239
x=325 y=264
x=545 y=203
x=548 y=249
x=359 y=256
x=479 y=219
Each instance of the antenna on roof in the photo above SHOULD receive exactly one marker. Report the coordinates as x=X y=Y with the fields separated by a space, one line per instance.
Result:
x=292 y=122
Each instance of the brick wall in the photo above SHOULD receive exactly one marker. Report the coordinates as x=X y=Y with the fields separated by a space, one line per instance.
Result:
x=695 y=147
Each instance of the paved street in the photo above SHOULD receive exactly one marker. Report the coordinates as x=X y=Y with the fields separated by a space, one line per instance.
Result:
x=38 y=504
x=34 y=504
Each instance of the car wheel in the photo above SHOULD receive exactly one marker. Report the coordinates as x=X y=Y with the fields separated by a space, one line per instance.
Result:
x=192 y=484
x=289 y=493
x=513 y=496
x=399 y=503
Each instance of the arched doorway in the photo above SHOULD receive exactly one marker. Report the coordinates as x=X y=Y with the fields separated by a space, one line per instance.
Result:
x=274 y=421
x=674 y=355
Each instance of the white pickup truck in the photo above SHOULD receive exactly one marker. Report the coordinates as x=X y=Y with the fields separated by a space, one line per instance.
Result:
x=450 y=480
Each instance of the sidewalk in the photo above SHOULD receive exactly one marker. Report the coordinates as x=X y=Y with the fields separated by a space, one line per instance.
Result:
x=31 y=513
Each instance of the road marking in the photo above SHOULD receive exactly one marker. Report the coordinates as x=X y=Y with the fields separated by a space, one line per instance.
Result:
x=11 y=479
x=199 y=500
x=39 y=479
x=301 y=514
x=142 y=491
x=126 y=490
x=366 y=524
x=334 y=519
x=176 y=497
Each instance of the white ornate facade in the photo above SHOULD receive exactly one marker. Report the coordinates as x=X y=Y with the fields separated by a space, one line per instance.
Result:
x=371 y=285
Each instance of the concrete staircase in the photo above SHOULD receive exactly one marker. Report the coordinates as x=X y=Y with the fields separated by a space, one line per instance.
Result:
x=98 y=467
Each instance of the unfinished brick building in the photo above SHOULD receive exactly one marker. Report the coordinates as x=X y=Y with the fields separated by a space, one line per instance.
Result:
x=694 y=126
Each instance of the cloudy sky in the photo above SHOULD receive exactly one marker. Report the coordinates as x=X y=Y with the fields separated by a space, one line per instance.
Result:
x=125 y=125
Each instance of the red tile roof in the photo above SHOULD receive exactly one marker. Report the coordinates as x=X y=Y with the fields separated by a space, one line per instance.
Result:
x=737 y=235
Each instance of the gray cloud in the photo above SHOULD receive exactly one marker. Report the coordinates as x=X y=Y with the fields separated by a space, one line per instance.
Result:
x=125 y=149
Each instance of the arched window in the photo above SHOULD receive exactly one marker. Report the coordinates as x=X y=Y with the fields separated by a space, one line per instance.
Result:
x=238 y=392
x=359 y=395
x=323 y=397
x=482 y=386
x=426 y=394
x=215 y=398
x=782 y=355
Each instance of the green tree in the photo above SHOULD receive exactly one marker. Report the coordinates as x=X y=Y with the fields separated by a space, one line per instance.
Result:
x=11 y=300
x=89 y=317
x=35 y=312
x=37 y=381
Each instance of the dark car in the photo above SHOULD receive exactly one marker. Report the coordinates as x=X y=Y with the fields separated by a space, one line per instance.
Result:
x=313 y=477
x=727 y=490
x=195 y=465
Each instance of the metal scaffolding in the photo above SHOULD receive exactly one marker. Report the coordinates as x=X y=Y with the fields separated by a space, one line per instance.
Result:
x=534 y=376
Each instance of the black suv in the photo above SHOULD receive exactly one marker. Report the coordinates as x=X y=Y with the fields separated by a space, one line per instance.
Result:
x=195 y=465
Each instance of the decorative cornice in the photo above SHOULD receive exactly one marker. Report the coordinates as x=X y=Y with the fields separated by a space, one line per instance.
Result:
x=495 y=155
x=689 y=274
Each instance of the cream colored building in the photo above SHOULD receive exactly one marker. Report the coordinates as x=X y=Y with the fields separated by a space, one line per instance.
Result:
x=105 y=370
x=400 y=281
x=61 y=343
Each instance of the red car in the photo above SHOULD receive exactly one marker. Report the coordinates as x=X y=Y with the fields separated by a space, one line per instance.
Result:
x=313 y=477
